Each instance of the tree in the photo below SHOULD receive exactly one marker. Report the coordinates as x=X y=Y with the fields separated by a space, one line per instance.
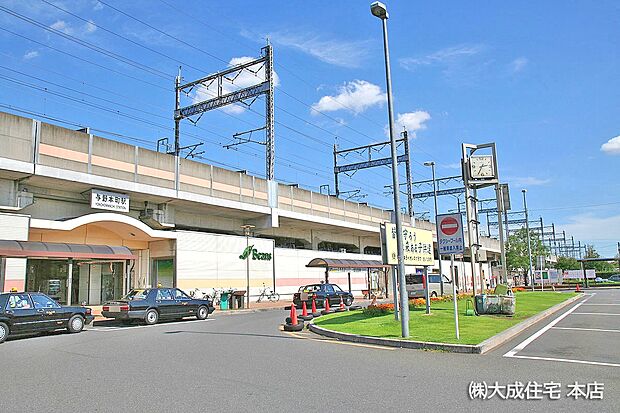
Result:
x=567 y=263
x=599 y=266
x=517 y=257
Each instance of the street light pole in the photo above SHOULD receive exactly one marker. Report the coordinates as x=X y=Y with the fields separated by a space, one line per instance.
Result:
x=432 y=165
x=379 y=10
x=529 y=243
x=246 y=231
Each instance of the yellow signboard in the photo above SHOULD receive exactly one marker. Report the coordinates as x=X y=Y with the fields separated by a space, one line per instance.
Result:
x=417 y=245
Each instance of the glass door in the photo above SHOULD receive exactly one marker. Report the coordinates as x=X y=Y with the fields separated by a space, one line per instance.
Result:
x=111 y=281
x=163 y=273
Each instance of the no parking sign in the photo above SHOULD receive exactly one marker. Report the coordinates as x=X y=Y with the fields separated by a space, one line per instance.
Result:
x=450 y=239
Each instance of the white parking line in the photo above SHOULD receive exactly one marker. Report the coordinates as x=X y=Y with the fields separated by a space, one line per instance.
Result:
x=542 y=331
x=601 y=304
x=513 y=353
x=126 y=328
x=596 y=314
x=596 y=363
x=586 y=329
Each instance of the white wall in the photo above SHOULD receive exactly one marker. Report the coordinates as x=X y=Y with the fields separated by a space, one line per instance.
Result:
x=13 y=227
x=206 y=261
x=291 y=270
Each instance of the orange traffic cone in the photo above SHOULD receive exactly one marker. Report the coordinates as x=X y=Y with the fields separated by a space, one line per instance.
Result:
x=577 y=289
x=315 y=313
x=304 y=312
x=294 y=315
x=326 y=310
x=341 y=307
x=292 y=323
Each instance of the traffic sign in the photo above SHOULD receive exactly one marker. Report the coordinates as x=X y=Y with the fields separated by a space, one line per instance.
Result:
x=450 y=238
x=449 y=226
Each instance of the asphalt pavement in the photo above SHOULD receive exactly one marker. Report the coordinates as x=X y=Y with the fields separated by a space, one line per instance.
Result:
x=244 y=362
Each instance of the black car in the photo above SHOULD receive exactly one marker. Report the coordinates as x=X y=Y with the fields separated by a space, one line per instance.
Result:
x=319 y=292
x=27 y=313
x=153 y=304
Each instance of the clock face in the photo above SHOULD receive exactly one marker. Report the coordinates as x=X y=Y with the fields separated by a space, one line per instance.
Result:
x=481 y=167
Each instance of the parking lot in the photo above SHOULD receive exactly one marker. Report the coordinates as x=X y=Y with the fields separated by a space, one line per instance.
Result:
x=586 y=333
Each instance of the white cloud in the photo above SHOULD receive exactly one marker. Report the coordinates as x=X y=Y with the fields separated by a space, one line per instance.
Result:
x=612 y=146
x=525 y=181
x=412 y=121
x=591 y=228
x=31 y=55
x=243 y=80
x=355 y=96
x=61 y=26
x=443 y=56
x=98 y=6
x=343 y=53
x=518 y=64
x=90 y=27
x=455 y=165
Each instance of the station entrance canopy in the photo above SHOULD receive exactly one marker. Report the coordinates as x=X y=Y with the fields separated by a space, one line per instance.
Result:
x=31 y=249
x=328 y=263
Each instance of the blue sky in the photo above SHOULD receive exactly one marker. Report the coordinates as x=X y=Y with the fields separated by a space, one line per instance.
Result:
x=539 y=78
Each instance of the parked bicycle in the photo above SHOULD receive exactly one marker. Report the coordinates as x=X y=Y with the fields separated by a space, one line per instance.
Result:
x=269 y=294
x=214 y=296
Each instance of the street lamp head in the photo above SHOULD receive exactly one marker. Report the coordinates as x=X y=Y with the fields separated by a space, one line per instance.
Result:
x=524 y=190
x=430 y=163
x=379 y=10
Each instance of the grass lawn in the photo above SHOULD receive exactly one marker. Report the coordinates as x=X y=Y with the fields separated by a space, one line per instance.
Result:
x=439 y=325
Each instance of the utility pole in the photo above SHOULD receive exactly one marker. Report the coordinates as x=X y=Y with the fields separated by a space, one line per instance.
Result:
x=269 y=114
x=177 y=120
x=529 y=243
x=409 y=179
x=501 y=199
x=432 y=165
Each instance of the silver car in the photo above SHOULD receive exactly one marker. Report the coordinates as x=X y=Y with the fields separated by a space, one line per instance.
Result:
x=415 y=286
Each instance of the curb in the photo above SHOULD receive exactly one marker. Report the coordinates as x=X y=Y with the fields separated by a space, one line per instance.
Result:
x=481 y=348
x=245 y=311
x=498 y=339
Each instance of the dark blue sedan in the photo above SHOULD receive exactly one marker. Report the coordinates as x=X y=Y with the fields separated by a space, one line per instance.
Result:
x=320 y=292
x=27 y=313
x=152 y=304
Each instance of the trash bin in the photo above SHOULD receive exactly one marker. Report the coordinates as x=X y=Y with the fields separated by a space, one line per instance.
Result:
x=495 y=304
x=480 y=301
x=224 y=299
x=238 y=298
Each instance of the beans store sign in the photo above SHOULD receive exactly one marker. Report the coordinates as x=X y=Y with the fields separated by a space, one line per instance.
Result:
x=252 y=252
x=110 y=201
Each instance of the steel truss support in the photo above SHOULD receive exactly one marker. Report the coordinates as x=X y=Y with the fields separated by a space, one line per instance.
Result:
x=373 y=162
x=238 y=96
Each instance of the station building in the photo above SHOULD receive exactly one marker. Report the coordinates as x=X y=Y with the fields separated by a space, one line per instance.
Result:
x=85 y=218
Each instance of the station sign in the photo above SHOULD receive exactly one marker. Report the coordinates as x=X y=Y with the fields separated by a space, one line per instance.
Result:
x=110 y=201
x=450 y=238
x=417 y=245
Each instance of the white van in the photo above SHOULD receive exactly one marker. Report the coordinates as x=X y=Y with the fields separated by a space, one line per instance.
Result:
x=415 y=287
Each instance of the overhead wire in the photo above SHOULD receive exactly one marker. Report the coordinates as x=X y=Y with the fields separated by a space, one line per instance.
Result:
x=119 y=57
x=89 y=45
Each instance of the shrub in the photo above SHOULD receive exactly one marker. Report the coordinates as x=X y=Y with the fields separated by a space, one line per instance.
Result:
x=378 y=310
